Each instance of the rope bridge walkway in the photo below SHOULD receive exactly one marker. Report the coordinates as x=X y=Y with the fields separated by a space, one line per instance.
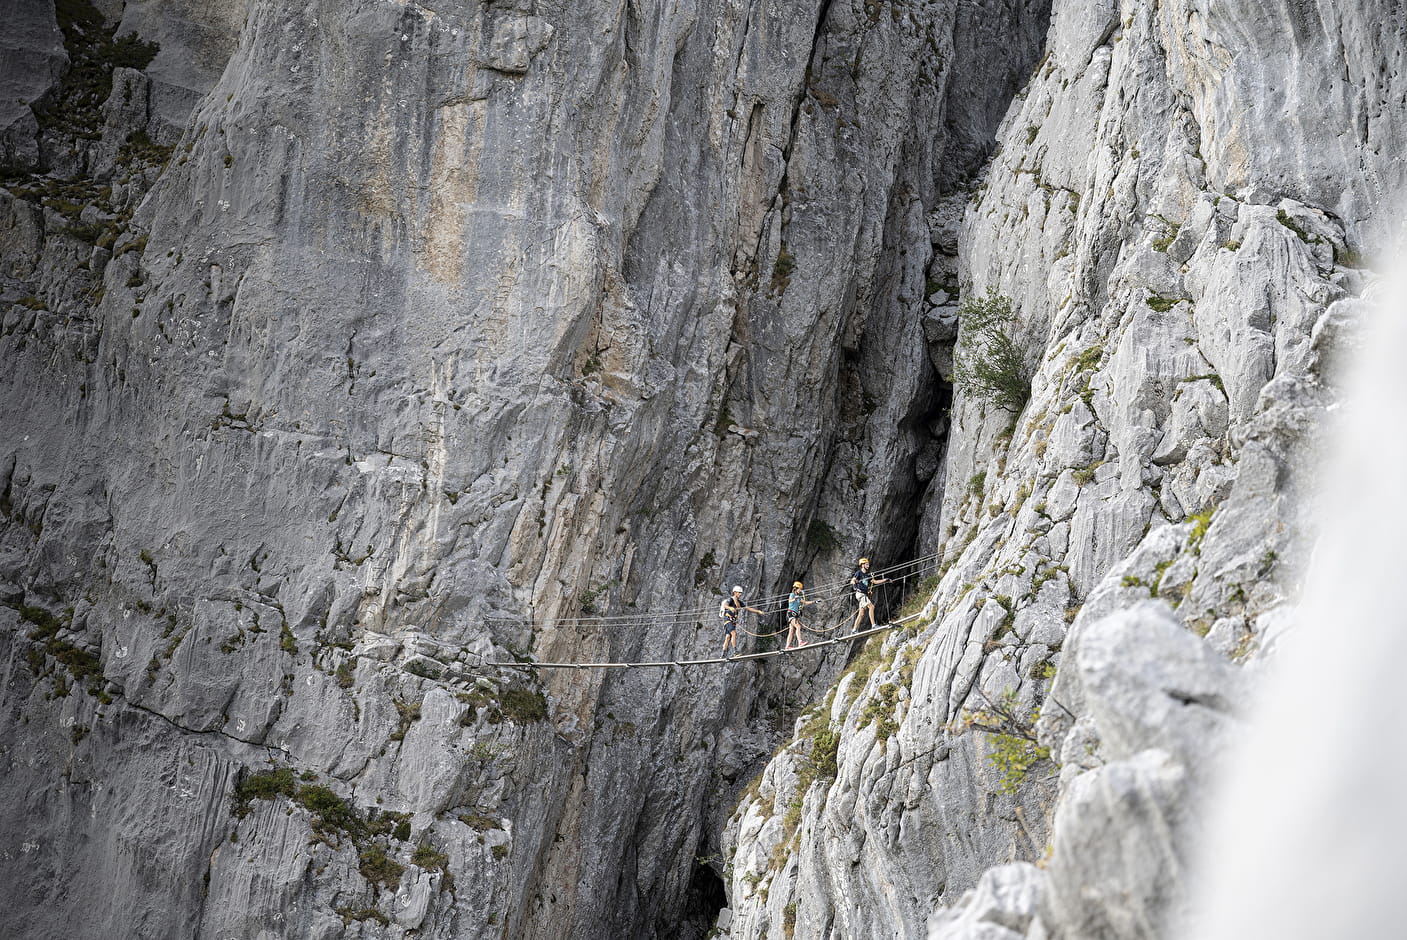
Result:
x=701 y=662
x=836 y=590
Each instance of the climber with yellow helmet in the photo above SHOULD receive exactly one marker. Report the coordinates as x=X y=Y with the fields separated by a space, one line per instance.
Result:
x=862 y=581
x=795 y=603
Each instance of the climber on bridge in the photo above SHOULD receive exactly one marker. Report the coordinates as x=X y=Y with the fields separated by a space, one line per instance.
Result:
x=728 y=612
x=862 y=581
x=795 y=603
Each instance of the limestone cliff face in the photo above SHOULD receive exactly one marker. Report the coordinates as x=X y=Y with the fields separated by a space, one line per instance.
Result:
x=348 y=344
x=1179 y=209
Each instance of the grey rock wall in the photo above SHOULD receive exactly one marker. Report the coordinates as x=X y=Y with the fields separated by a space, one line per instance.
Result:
x=1180 y=224
x=351 y=344
x=196 y=39
x=31 y=63
x=348 y=339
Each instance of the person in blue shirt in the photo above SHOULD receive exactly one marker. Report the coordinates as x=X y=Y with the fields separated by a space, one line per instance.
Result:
x=728 y=612
x=795 y=603
x=862 y=581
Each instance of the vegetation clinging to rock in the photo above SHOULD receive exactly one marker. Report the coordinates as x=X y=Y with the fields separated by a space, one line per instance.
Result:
x=94 y=51
x=988 y=364
x=1012 y=735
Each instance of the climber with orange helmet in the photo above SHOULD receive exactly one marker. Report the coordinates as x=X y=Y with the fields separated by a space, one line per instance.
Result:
x=795 y=603
x=862 y=581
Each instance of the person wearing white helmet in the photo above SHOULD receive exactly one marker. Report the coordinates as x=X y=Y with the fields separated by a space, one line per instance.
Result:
x=729 y=611
x=795 y=603
x=862 y=581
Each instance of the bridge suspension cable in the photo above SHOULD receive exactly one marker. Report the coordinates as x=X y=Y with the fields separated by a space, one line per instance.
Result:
x=701 y=662
x=771 y=604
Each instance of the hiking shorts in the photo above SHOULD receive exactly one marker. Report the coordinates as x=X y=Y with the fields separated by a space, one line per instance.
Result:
x=729 y=626
x=863 y=600
x=793 y=616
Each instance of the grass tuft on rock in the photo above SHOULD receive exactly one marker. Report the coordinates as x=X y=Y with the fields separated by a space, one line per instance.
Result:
x=524 y=705
x=428 y=857
x=262 y=785
x=379 y=868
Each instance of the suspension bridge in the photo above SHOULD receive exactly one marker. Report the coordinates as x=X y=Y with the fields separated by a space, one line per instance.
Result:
x=776 y=603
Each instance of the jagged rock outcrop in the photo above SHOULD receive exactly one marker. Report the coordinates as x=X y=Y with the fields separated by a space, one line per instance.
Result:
x=347 y=337
x=1137 y=717
x=1181 y=263
x=32 y=60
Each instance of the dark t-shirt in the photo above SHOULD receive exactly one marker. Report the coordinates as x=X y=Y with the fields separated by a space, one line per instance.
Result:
x=862 y=579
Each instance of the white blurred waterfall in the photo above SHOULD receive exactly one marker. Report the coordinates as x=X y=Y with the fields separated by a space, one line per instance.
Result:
x=1307 y=833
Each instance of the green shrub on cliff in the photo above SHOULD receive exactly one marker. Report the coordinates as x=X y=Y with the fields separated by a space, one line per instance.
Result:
x=987 y=364
x=1013 y=749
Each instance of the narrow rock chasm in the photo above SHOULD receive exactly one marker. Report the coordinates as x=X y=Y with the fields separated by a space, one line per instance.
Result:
x=705 y=898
